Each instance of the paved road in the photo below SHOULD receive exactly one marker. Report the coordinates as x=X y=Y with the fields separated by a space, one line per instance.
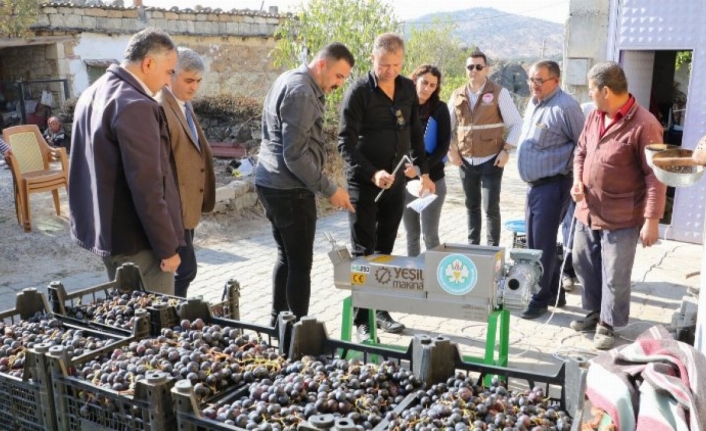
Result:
x=659 y=278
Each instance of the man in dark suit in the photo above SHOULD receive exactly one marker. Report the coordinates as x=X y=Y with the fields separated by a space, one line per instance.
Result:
x=123 y=198
x=192 y=156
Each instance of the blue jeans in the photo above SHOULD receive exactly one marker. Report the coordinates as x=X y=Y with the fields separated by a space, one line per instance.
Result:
x=603 y=261
x=546 y=206
x=481 y=184
x=186 y=273
x=292 y=214
x=429 y=218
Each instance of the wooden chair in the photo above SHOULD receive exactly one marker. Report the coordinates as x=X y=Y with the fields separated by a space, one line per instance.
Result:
x=29 y=163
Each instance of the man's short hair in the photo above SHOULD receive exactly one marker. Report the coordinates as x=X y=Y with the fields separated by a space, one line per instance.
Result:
x=335 y=52
x=150 y=41
x=189 y=61
x=609 y=74
x=388 y=43
x=551 y=66
x=478 y=54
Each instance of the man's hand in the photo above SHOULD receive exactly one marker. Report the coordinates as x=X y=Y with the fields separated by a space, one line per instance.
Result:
x=502 y=158
x=341 y=199
x=383 y=179
x=7 y=153
x=410 y=171
x=454 y=157
x=427 y=185
x=577 y=191
x=649 y=234
x=170 y=264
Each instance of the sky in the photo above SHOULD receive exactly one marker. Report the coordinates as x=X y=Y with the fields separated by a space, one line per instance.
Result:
x=550 y=10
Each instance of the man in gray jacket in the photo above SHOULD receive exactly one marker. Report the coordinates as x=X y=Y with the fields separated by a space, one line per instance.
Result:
x=123 y=199
x=290 y=170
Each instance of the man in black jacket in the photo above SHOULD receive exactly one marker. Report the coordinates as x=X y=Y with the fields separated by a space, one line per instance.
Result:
x=123 y=198
x=379 y=125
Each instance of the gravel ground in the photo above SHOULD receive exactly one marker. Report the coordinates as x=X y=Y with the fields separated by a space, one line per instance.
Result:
x=47 y=252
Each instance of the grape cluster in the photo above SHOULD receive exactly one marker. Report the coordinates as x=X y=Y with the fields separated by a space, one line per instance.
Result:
x=211 y=357
x=363 y=393
x=16 y=338
x=460 y=405
x=118 y=309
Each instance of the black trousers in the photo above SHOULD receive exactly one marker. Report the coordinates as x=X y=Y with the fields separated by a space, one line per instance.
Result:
x=292 y=214
x=186 y=273
x=374 y=225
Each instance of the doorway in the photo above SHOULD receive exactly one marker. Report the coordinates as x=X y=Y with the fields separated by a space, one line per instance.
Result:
x=659 y=80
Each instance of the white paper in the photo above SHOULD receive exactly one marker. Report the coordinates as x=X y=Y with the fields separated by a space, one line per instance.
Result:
x=420 y=204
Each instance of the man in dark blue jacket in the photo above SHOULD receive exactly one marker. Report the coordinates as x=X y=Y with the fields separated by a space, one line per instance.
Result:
x=123 y=198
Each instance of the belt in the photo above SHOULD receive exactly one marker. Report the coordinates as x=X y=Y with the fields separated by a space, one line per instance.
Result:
x=547 y=180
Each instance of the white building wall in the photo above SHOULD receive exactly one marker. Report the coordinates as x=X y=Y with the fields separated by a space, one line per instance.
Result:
x=92 y=46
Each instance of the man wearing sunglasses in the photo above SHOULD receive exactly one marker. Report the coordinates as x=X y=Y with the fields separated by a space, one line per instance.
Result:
x=552 y=124
x=480 y=112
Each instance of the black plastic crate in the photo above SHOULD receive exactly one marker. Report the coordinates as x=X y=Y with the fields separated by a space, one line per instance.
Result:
x=431 y=359
x=26 y=401
x=83 y=405
x=163 y=314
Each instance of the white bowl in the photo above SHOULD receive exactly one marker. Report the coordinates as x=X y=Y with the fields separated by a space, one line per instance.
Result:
x=653 y=149
x=677 y=176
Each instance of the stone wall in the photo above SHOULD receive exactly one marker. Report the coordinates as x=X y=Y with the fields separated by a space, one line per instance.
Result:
x=127 y=20
x=28 y=62
x=235 y=45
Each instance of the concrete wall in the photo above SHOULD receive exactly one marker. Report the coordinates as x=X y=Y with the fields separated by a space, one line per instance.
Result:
x=585 y=43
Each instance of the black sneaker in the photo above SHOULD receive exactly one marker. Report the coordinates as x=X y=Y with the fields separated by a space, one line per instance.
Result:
x=385 y=322
x=532 y=312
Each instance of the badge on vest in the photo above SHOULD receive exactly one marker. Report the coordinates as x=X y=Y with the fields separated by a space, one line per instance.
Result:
x=488 y=98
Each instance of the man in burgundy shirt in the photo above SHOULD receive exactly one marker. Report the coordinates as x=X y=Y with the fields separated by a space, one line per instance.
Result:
x=619 y=201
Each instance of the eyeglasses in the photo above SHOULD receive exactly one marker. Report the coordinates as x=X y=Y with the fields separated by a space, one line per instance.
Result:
x=538 y=81
x=478 y=67
x=400 y=123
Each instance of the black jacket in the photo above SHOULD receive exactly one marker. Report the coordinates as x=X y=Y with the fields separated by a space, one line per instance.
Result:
x=122 y=195
x=375 y=132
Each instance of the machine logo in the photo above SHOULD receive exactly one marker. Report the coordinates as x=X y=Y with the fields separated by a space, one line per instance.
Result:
x=457 y=274
x=383 y=275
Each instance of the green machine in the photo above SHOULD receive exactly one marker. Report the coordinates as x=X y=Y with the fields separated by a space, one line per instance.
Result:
x=457 y=281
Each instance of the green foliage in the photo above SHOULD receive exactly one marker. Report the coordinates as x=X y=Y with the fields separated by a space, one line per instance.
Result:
x=434 y=43
x=451 y=83
x=683 y=57
x=354 y=23
x=16 y=16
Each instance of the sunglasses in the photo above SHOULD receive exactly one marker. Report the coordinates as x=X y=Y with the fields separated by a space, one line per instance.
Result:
x=400 y=123
x=478 y=67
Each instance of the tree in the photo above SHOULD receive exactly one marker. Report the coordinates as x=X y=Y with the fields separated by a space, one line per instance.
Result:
x=16 y=16
x=434 y=43
x=354 y=23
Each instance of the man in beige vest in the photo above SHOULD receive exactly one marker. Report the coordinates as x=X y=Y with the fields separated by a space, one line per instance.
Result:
x=192 y=156
x=480 y=112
